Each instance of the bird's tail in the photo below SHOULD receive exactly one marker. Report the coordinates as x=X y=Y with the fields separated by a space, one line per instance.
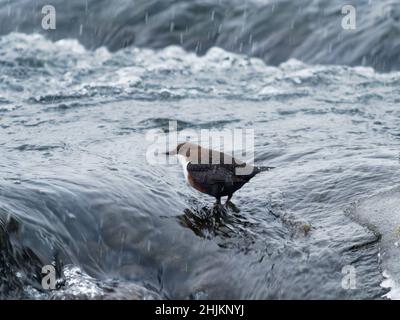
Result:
x=263 y=168
x=257 y=170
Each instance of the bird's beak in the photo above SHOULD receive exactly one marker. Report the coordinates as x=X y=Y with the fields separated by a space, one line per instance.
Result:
x=171 y=153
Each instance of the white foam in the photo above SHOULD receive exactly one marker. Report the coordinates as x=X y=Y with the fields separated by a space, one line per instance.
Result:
x=390 y=283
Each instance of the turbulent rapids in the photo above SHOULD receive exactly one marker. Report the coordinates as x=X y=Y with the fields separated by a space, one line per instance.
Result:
x=273 y=30
x=77 y=193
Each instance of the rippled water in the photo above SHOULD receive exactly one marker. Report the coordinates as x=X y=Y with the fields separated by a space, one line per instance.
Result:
x=76 y=186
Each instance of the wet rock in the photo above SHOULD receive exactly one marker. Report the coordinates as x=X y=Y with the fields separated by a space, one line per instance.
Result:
x=381 y=214
x=18 y=265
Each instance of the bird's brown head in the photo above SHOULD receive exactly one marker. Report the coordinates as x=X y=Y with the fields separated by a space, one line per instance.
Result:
x=197 y=154
x=183 y=149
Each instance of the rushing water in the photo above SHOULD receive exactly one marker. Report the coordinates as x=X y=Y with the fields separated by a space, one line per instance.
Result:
x=75 y=185
x=274 y=30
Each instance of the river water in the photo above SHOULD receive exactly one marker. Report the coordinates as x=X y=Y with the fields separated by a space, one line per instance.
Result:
x=77 y=190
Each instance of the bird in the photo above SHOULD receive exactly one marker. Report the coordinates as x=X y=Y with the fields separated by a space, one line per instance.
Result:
x=212 y=172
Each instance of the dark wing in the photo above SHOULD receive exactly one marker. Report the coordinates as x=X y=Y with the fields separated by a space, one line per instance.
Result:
x=215 y=174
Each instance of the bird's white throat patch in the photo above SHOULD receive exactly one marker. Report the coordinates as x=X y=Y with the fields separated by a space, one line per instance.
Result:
x=184 y=162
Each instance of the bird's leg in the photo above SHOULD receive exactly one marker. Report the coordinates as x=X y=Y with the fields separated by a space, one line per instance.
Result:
x=219 y=211
x=227 y=200
x=218 y=202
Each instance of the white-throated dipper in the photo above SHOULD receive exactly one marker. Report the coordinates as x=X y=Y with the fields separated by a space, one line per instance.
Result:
x=212 y=172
